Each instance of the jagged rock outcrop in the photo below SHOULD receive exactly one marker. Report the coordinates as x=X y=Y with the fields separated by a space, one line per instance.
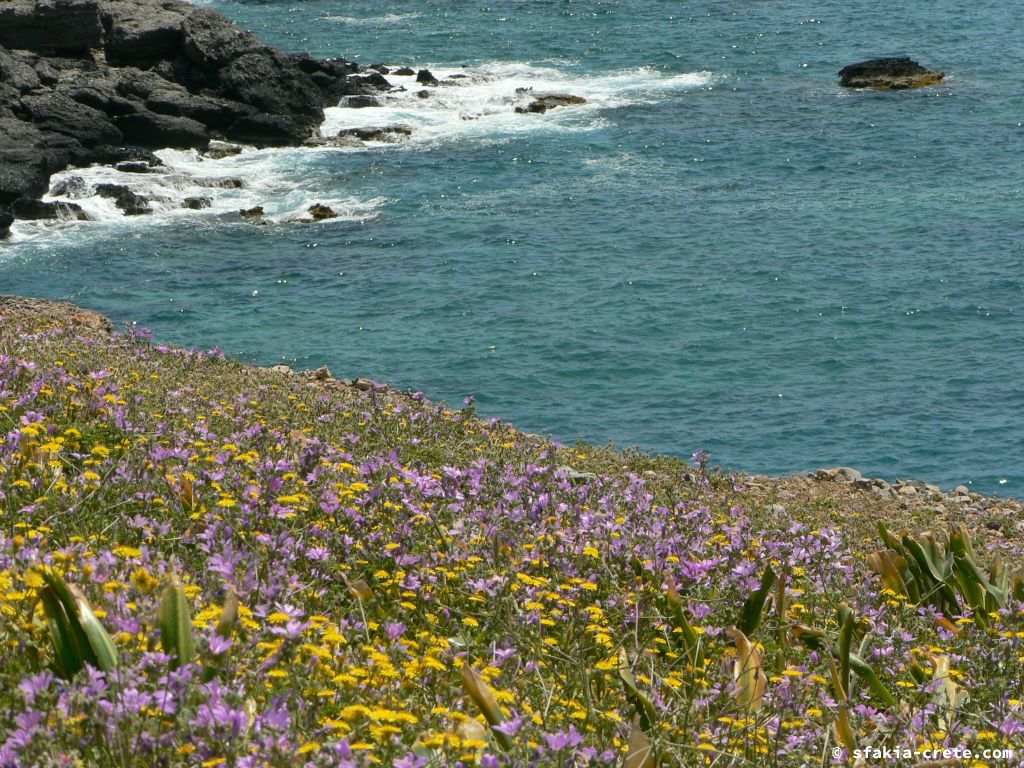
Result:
x=103 y=81
x=889 y=74
x=50 y=26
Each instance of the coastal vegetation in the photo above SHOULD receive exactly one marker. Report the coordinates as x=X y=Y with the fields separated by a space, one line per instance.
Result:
x=209 y=564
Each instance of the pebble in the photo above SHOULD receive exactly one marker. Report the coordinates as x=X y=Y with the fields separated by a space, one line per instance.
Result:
x=281 y=368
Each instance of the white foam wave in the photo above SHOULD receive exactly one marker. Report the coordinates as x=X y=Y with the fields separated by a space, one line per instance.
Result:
x=476 y=103
x=263 y=177
x=372 y=21
x=481 y=101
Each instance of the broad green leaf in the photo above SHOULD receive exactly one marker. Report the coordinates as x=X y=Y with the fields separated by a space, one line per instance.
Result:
x=750 y=614
x=176 y=624
x=477 y=688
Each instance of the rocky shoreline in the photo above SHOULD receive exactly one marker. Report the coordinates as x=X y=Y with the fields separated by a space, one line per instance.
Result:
x=107 y=81
x=832 y=491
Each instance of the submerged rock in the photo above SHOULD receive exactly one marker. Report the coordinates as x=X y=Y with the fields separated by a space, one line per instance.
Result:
x=360 y=102
x=542 y=104
x=37 y=209
x=319 y=212
x=889 y=74
x=229 y=182
x=136 y=166
x=130 y=203
x=333 y=141
x=73 y=186
x=218 y=150
x=388 y=133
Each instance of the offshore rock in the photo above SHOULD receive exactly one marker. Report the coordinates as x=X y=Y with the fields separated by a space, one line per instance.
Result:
x=319 y=212
x=889 y=74
x=388 y=133
x=542 y=104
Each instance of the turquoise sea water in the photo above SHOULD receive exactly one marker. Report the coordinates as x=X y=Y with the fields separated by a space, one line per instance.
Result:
x=722 y=250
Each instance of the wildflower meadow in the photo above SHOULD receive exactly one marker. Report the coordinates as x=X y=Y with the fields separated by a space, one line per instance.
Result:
x=208 y=564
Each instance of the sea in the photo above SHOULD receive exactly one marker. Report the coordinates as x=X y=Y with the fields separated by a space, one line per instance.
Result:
x=720 y=250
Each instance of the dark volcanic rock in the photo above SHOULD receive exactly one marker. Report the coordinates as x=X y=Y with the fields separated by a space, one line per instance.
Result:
x=319 y=212
x=405 y=72
x=274 y=84
x=131 y=203
x=95 y=81
x=73 y=186
x=252 y=213
x=386 y=133
x=135 y=166
x=425 y=77
x=889 y=74
x=211 y=41
x=37 y=209
x=269 y=130
x=196 y=203
x=150 y=129
x=542 y=104
x=140 y=32
x=55 y=112
x=48 y=76
x=17 y=71
x=26 y=161
x=358 y=102
x=50 y=26
x=211 y=112
x=6 y=219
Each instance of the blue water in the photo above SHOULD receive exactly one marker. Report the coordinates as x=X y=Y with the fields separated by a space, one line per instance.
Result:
x=721 y=250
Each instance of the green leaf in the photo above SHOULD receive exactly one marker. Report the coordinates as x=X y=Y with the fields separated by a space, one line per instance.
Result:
x=750 y=614
x=644 y=707
x=867 y=674
x=845 y=643
x=89 y=639
x=66 y=659
x=79 y=641
x=176 y=624
x=690 y=640
x=100 y=642
x=477 y=688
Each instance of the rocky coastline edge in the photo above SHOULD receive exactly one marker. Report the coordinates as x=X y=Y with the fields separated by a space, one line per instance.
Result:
x=829 y=495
